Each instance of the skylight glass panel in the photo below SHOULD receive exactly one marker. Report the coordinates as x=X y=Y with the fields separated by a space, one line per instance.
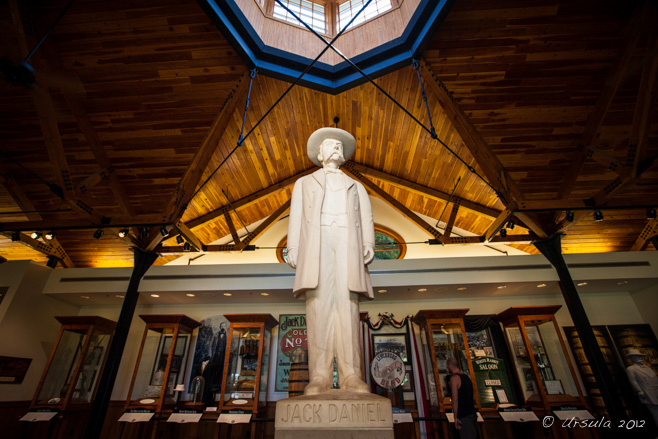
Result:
x=311 y=13
x=350 y=8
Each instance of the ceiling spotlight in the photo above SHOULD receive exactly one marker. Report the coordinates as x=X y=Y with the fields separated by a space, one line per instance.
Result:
x=50 y=235
x=598 y=216
x=651 y=213
x=582 y=284
x=541 y=285
x=422 y=290
x=500 y=287
x=186 y=246
x=569 y=216
x=228 y=294
x=35 y=235
x=85 y=297
x=381 y=291
x=155 y=295
x=190 y=295
x=510 y=225
x=461 y=288
x=146 y=233
x=503 y=233
x=164 y=231
x=179 y=239
x=264 y=294
x=123 y=233
x=98 y=233
x=16 y=236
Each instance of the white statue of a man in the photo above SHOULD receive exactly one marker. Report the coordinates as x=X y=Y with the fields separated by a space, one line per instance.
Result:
x=331 y=240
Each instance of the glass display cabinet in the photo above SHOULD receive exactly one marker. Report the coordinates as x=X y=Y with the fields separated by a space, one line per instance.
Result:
x=247 y=363
x=75 y=365
x=161 y=361
x=544 y=369
x=444 y=335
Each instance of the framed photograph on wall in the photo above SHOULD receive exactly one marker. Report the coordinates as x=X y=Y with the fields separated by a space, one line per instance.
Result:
x=396 y=343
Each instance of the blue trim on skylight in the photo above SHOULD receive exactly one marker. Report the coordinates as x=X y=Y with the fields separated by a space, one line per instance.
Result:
x=270 y=61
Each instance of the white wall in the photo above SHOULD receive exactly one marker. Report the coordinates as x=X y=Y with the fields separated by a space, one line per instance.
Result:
x=27 y=325
x=646 y=301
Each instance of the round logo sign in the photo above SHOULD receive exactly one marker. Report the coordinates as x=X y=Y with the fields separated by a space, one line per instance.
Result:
x=387 y=370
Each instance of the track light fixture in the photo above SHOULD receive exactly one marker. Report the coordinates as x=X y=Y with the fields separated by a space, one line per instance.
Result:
x=510 y=225
x=164 y=231
x=569 y=216
x=123 y=233
x=145 y=232
x=598 y=216
x=35 y=235
x=651 y=213
x=50 y=235
x=179 y=240
x=503 y=233
x=16 y=236
x=98 y=233
x=186 y=246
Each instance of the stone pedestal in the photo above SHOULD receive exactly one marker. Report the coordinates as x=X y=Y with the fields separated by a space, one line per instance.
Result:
x=334 y=414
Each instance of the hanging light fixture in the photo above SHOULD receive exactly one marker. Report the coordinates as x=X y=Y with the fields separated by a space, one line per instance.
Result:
x=179 y=239
x=98 y=233
x=510 y=225
x=164 y=231
x=16 y=236
x=50 y=235
x=503 y=233
x=598 y=216
x=651 y=213
x=123 y=233
x=569 y=216
x=186 y=246
x=35 y=235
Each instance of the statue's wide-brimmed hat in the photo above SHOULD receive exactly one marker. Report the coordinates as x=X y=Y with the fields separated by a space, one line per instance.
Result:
x=319 y=136
x=632 y=352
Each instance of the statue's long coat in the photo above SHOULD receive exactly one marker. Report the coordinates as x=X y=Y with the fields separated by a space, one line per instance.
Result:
x=304 y=233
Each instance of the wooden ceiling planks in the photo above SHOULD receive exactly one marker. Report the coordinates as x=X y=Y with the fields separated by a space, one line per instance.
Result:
x=155 y=76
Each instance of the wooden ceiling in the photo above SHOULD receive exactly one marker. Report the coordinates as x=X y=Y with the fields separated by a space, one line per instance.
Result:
x=552 y=105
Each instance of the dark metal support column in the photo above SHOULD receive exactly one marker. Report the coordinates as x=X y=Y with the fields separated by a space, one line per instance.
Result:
x=551 y=248
x=143 y=261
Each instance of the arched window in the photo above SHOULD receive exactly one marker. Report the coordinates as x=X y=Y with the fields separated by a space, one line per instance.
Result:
x=388 y=245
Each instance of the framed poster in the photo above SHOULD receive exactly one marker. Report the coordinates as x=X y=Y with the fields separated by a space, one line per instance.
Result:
x=292 y=337
x=396 y=343
x=13 y=369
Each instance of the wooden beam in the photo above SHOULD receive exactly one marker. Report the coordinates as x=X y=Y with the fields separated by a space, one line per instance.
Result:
x=17 y=194
x=249 y=200
x=509 y=239
x=231 y=227
x=531 y=222
x=421 y=190
x=498 y=223
x=63 y=257
x=589 y=204
x=404 y=210
x=188 y=235
x=493 y=170
x=188 y=183
x=596 y=117
x=265 y=225
x=77 y=224
x=650 y=230
x=47 y=249
x=451 y=220
x=641 y=129
x=93 y=180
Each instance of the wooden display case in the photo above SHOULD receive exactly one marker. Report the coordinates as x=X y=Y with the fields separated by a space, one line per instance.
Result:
x=444 y=332
x=244 y=385
x=161 y=361
x=543 y=367
x=75 y=365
